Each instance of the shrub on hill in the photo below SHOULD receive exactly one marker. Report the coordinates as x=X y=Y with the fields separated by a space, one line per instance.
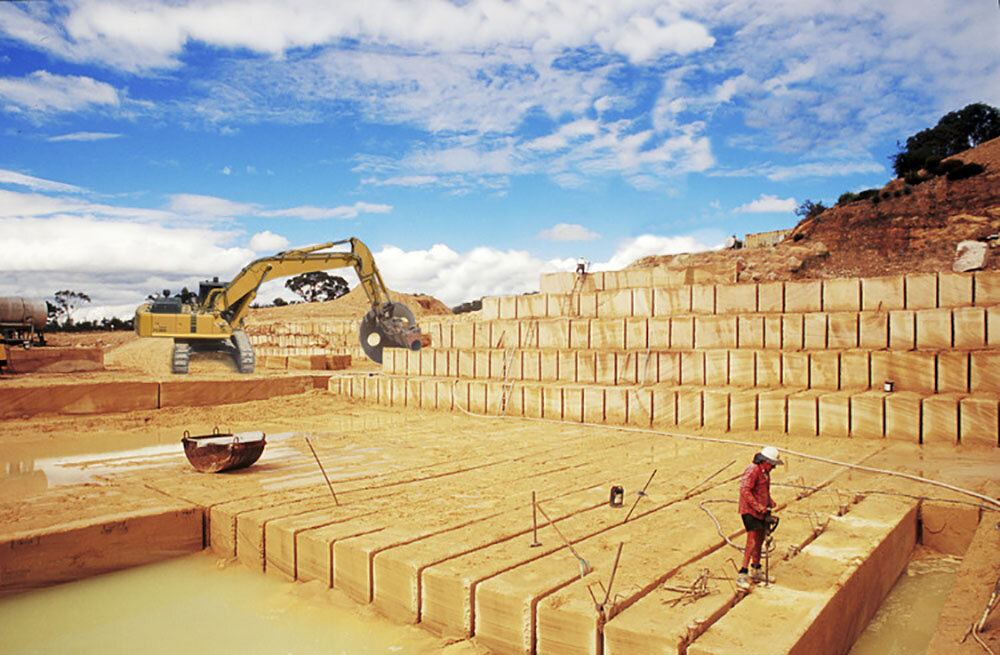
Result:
x=965 y=170
x=956 y=131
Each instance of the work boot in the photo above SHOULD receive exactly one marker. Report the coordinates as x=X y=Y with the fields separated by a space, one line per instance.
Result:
x=744 y=582
x=757 y=575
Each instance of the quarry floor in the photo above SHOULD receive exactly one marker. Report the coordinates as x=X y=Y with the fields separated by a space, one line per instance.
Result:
x=433 y=522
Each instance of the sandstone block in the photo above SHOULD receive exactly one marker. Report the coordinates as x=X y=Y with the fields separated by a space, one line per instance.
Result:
x=689 y=407
x=803 y=413
x=482 y=364
x=616 y=303
x=647 y=368
x=717 y=331
x=940 y=419
x=868 y=415
x=593 y=405
x=668 y=368
x=665 y=277
x=606 y=371
x=873 y=330
x=750 y=332
x=428 y=394
x=607 y=334
x=573 y=404
x=824 y=370
x=556 y=283
x=855 y=374
x=426 y=362
x=835 y=415
x=882 y=293
x=615 y=280
x=955 y=289
x=703 y=298
x=742 y=368
x=792 y=332
x=586 y=305
x=532 y=400
x=735 y=298
x=902 y=416
x=413 y=395
x=638 y=277
x=795 y=370
x=462 y=335
x=531 y=366
x=993 y=327
x=804 y=296
x=715 y=408
x=642 y=302
x=693 y=367
x=579 y=333
x=397 y=392
x=671 y=300
x=664 y=407
x=717 y=368
x=532 y=305
x=814 y=331
x=627 y=366
x=772 y=408
x=934 y=329
x=466 y=363
x=842 y=330
x=566 y=363
x=658 y=333
x=969 y=327
x=548 y=365
x=187 y=393
x=554 y=334
x=771 y=297
x=768 y=366
x=772 y=331
x=682 y=332
x=616 y=406
x=560 y=305
x=952 y=372
x=921 y=291
x=980 y=421
x=842 y=295
x=986 y=288
x=985 y=372
x=505 y=334
x=491 y=308
x=446 y=392
x=640 y=407
x=743 y=411
x=636 y=333
x=902 y=330
x=552 y=402
x=586 y=368
x=529 y=333
x=909 y=371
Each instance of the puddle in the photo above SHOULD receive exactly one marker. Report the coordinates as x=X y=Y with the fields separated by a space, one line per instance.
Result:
x=905 y=622
x=190 y=605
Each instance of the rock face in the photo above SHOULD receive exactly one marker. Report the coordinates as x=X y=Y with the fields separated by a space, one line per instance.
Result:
x=970 y=256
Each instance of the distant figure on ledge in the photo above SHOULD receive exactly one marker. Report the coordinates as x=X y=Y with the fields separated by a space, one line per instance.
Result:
x=581 y=265
x=755 y=508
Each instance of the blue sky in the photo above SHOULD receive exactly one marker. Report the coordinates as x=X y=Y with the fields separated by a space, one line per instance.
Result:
x=471 y=144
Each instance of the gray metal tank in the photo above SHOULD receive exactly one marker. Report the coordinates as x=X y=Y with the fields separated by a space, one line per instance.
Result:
x=22 y=312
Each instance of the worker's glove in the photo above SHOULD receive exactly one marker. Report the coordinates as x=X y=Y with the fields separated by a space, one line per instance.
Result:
x=771 y=522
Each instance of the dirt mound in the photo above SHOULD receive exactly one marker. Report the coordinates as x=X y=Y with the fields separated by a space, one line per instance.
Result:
x=153 y=357
x=908 y=229
x=350 y=306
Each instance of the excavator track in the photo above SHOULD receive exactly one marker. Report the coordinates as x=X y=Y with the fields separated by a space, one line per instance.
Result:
x=245 y=360
x=182 y=357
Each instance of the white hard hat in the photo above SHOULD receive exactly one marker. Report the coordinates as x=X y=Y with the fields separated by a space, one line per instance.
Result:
x=770 y=453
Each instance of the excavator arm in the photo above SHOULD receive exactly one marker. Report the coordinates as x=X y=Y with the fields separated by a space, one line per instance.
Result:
x=217 y=316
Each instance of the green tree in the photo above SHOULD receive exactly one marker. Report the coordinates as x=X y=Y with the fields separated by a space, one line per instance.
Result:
x=66 y=301
x=810 y=209
x=317 y=286
x=956 y=131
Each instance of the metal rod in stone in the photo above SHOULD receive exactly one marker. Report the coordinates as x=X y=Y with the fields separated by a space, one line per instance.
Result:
x=688 y=492
x=584 y=564
x=639 y=497
x=534 y=522
x=323 y=471
x=611 y=581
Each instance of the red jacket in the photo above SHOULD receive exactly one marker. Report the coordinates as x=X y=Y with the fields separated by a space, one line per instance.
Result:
x=755 y=491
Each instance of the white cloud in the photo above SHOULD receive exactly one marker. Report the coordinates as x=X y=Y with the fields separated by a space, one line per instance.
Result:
x=568 y=232
x=320 y=213
x=767 y=203
x=268 y=241
x=36 y=183
x=42 y=92
x=403 y=180
x=225 y=170
x=84 y=136
x=644 y=245
x=208 y=206
x=829 y=168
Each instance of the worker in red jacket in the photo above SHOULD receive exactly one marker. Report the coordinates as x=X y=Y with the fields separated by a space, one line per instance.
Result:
x=755 y=508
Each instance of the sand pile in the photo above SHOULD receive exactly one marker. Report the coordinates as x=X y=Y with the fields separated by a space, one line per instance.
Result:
x=153 y=357
x=354 y=305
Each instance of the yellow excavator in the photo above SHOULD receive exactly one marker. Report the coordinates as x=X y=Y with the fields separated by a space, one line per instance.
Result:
x=213 y=322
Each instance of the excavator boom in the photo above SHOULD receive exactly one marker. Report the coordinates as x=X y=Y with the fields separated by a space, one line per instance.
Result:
x=215 y=320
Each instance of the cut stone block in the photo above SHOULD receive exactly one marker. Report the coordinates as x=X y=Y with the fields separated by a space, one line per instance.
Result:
x=743 y=411
x=446 y=392
x=855 y=374
x=717 y=368
x=553 y=334
x=955 y=289
x=579 y=333
x=715 y=331
x=742 y=368
x=560 y=305
x=771 y=297
x=792 y=334
x=615 y=406
x=614 y=280
x=921 y=291
x=952 y=372
x=803 y=413
x=902 y=416
x=768 y=368
x=824 y=370
x=477 y=397
x=664 y=407
x=638 y=277
x=88 y=399
x=647 y=368
x=969 y=327
x=605 y=367
x=573 y=404
x=413 y=395
x=804 y=296
x=672 y=300
x=607 y=334
x=593 y=405
x=902 y=330
x=835 y=415
x=873 y=330
x=993 y=327
x=814 y=331
x=668 y=368
x=462 y=335
x=552 y=403
x=586 y=368
x=842 y=330
x=750 y=332
x=658 y=333
x=772 y=332
x=842 y=295
x=979 y=421
x=715 y=409
x=703 y=298
x=986 y=288
x=640 y=407
x=529 y=333
x=735 y=298
x=795 y=370
x=427 y=363
x=626 y=367
x=934 y=329
x=772 y=407
x=508 y=307
x=940 y=419
x=908 y=371
x=985 y=372
x=868 y=415
x=636 y=334
x=532 y=305
x=642 y=302
x=505 y=334
x=481 y=334
x=615 y=303
x=531 y=366
x=428 y=394
x=556 y=282
x=689 y=407
x=693 y=368
x=665 y=277
x=549 y=365
x=491 y=308
x=882 y=293
x=466 y=363
x=482 y=364
x=586 y=306
x=532 y=400
x=567 y=366
x=682 y=332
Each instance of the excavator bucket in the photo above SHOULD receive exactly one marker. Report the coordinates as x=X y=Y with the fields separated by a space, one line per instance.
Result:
x=392 y=327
